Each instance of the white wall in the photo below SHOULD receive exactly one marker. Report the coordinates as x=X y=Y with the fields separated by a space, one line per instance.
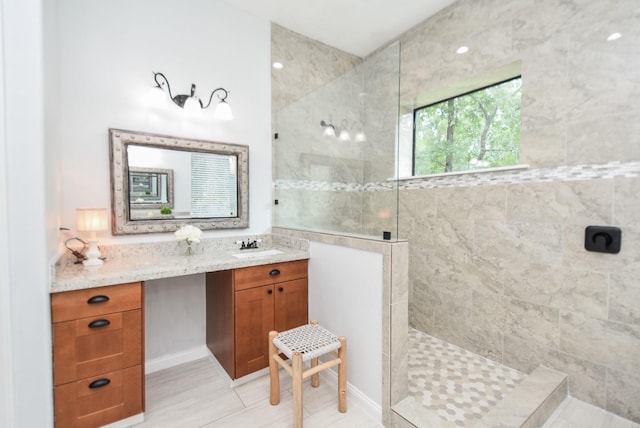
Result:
x=29 y=242
x=348 y=302
x=175 y=316
x=108 y=51
x=6 y=386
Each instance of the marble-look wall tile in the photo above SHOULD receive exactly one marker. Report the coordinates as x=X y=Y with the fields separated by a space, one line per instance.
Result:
x=308 y=65
x=579 y=202
x=489 y=324
x=603 y=139
x=452 y=299
x=559 y=287
x=622 y=394
x=624 y=294
x=519 y=242
x=586 y=379
x=626 y=203
x=615 y=345
x=584 y=337
x=487 y=203
x=543 y=145
x=523 y=354
x=536 y=323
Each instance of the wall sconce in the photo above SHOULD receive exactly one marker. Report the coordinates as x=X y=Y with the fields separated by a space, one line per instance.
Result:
x=222 y=110
x=329 y=130
x=92 y=220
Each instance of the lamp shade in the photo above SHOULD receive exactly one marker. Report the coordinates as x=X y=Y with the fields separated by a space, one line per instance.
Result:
x=92 y=219
x=223 y=111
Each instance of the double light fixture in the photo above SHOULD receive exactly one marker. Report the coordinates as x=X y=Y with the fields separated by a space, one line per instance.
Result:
x=343 y=134
x=191 y=101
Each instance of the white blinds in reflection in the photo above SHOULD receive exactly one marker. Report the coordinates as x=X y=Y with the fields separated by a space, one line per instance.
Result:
x=214 y=186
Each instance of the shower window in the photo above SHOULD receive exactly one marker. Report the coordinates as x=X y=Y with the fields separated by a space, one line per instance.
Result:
x=476 y=130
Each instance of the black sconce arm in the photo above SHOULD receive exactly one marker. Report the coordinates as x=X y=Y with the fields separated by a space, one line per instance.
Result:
x=222 y=99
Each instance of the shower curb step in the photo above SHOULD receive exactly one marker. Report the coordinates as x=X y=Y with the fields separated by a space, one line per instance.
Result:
x=531 y=403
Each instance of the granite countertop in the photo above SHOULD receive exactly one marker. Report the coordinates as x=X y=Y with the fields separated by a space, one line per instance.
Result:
x=144 y=264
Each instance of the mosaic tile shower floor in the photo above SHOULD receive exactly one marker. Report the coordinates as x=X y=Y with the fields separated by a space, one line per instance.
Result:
x=458 y=385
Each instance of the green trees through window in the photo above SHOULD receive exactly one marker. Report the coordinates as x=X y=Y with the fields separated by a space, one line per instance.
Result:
x=479 y=129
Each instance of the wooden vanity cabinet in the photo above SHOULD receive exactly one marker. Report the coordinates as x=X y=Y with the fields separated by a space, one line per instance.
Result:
x=98 y=354
x=244 y=304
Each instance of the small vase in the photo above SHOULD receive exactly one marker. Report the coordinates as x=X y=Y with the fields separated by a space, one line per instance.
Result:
x=189 y=250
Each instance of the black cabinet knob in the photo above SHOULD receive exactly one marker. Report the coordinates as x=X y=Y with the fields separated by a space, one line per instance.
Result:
x=270 y=292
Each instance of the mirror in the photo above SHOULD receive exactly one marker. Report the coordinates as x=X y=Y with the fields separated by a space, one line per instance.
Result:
x=160 y=183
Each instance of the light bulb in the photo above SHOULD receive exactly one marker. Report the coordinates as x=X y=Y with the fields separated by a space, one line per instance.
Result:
x=329 y=131
x=361 y=137
x=344 y=135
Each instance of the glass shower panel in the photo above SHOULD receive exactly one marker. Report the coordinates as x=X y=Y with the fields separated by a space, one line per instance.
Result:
x=342 y=183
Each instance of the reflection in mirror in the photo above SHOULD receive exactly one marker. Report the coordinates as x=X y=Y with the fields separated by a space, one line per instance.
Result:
x=150 y=187
x=160 y=183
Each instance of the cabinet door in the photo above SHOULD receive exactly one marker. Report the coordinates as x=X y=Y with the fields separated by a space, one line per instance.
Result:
x=291 y=304
x=253 y=320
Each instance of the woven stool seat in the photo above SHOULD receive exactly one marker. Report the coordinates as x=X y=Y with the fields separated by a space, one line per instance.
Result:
x=310 y=340
x=299 y=345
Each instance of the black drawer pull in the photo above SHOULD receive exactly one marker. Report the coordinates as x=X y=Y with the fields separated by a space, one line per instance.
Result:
x=269 y=291
x=99 y=383
x=99 y=323
x=98 y=299
x=274 y=272
x=280 y=289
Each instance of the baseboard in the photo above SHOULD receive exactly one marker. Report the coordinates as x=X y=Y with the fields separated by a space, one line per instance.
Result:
x=357 y=397
x=171 y=360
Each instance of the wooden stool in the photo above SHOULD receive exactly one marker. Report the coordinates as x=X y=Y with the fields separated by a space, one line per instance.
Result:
x=301 y=344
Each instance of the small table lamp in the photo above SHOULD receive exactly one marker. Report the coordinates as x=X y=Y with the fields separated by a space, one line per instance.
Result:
x=92 y=220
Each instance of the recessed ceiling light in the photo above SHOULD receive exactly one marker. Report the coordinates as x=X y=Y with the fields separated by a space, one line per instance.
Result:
x=278 y=65
x=462 y=50
x=613 y=36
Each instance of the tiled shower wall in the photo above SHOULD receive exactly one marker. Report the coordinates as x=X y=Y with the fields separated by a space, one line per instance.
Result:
x=497 y=260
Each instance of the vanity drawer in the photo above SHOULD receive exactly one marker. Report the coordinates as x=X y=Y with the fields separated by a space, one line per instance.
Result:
x=89 y=346
x=99 y=400
x=90 y=302
x=269 y=274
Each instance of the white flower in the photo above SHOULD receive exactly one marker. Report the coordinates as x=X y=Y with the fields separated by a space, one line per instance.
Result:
x=190 y=233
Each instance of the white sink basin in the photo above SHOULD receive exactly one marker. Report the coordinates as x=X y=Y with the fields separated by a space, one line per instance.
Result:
x=250 y=254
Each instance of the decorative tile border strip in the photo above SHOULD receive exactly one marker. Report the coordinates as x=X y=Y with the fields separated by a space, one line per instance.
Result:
x=481 y=178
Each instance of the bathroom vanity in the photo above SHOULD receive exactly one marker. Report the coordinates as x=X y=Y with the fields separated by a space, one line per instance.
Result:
x=98 y=321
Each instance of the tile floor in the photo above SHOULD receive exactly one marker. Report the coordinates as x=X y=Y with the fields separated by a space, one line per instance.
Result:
x=198 y=394
x=458 y=385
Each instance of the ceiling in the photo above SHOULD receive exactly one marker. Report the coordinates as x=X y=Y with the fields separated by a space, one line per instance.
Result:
x=355 y=26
